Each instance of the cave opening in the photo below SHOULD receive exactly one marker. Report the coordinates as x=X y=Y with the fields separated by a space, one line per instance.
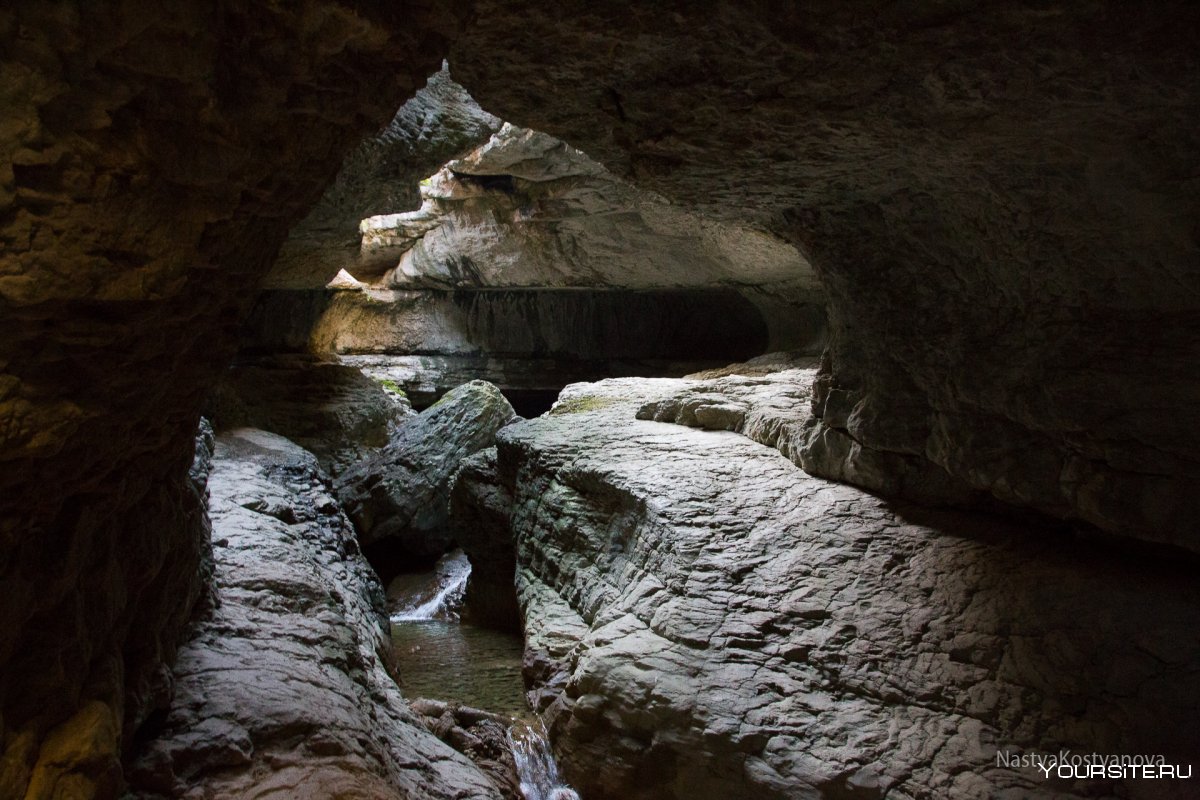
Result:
x=394 y=342
x=524 y=263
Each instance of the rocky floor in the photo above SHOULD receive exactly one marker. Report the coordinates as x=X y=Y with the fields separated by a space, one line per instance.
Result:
x=707 y=620
x=282 y=691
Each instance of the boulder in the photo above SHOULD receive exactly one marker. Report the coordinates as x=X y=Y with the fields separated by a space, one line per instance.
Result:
x=283 y=689
x=479 y=735
x=333 y=410
x=398 y=498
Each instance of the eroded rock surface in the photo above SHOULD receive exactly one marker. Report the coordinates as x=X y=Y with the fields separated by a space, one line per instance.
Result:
x=332 y=410
x=1000 y=201
x=282 y=689
x=152 y=159
x=526 y=209
x=398 y=498
x=711 y=621
x=381 y=176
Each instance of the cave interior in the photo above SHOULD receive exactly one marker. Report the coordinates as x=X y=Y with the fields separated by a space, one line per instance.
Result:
x=809 y=394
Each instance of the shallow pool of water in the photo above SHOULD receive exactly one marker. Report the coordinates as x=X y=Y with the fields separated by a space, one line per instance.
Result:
x=451 y=661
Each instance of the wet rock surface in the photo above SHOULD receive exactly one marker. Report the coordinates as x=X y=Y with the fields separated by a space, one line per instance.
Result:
x=480 y=511
x=282 y=689
x=398 y=498
x=480 y=735
x=706 y=619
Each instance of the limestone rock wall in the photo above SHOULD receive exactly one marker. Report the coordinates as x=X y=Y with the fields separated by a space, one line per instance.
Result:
x=1000 y=201
x=151 y=161
x=332 y=410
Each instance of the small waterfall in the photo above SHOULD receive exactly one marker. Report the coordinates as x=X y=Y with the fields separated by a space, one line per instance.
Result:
x=452 y=574
x=536 y=767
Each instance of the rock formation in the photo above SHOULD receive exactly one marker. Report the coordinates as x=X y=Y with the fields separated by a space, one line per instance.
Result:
x=707 y=620
x=381 y=176
x=480 y=510
x=330 y=409
x=398 y=497
x=999 y=201
x=477 y=734
x=152 y=162
x=478 y=273
x=282 y=687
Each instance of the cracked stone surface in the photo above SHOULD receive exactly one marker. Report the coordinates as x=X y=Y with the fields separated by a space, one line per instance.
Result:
x=399 y=497
x=705 y=619
x=282 y=690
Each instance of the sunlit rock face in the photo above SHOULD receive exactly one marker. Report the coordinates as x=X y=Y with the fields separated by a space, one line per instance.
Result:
x=525 y=249
x=526 y=209
x=381 y=176
x=152 y=161
x=1000 y=202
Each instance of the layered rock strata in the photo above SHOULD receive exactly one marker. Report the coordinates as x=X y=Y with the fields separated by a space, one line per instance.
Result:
x=282 y=689
x=708 y=620
x=398 y=498
x=381 y=176
x=525 y=249
x=526 y=209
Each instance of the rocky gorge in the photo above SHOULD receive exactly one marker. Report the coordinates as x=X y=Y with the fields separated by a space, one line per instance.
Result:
x=811 y=388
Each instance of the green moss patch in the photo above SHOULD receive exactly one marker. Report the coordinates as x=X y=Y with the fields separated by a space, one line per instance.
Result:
x=577 y=405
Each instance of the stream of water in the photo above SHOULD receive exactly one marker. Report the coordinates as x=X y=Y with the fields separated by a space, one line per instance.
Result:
x=440 y=657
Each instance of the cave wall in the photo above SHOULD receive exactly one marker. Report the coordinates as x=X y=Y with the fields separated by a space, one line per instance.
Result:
x=1000 y=201
x=153 y=158
x=710 y=325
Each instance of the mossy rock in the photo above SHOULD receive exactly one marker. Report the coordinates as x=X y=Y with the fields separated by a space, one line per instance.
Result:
x=392 y=386
x=578 y=405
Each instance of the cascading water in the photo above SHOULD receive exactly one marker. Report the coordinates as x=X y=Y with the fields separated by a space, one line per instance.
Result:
x=451 y=573
x=440 y=657
x=536 y=767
